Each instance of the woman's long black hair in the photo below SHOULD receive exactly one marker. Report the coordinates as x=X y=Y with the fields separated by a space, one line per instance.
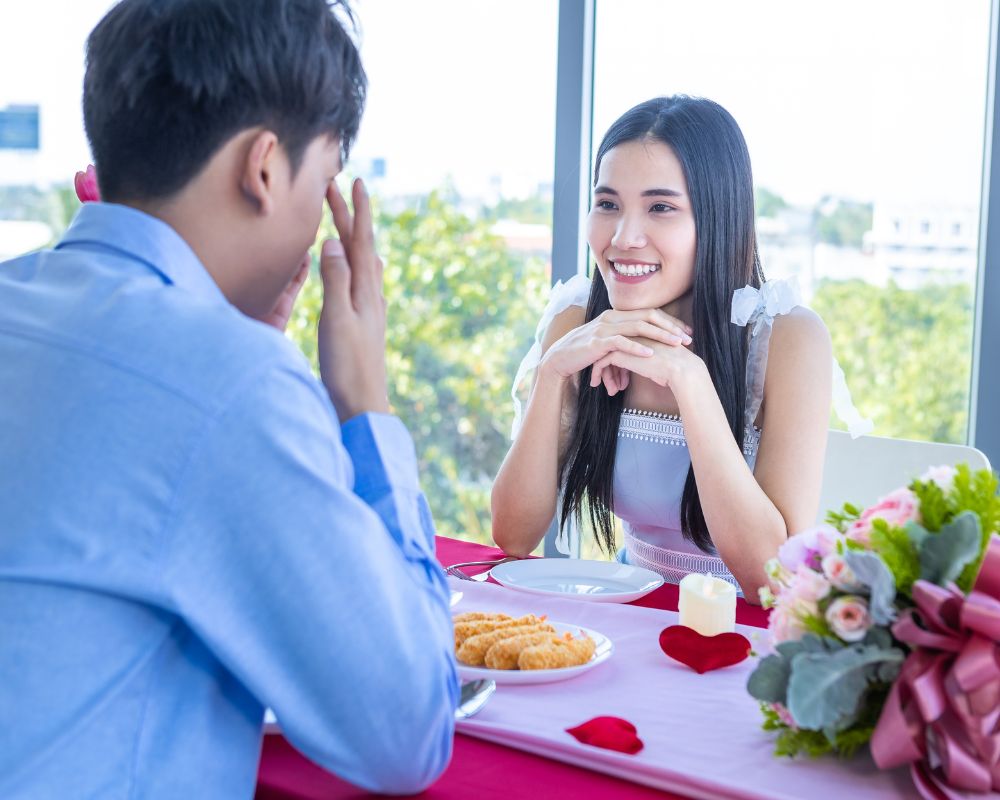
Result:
x=713 y=154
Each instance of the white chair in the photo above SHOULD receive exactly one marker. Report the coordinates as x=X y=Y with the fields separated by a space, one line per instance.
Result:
x=860 y=471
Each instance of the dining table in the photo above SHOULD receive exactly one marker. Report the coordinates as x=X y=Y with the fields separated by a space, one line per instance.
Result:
x=491 y=760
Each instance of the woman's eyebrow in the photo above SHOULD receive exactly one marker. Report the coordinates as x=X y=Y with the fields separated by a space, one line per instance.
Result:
x=662 y=193
x=647 y=193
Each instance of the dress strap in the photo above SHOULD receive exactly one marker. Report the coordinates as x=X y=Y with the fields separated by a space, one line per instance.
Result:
x=758 y=308
x=573 y=292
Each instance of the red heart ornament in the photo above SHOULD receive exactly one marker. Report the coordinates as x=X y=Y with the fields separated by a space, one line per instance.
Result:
x=703 y=653
x=611 y=733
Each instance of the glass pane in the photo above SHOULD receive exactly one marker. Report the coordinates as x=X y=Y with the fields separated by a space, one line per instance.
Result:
x=865 y=128
x=456 y=146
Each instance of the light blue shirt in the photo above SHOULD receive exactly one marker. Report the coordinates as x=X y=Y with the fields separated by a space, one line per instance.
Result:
x=188 y=536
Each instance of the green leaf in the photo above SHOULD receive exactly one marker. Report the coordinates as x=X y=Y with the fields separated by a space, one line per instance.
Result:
x=842 y=519
x=901 y=556
x=917 y=533
x=873 y=573
x=825 y=690
x=879 y=637
x=944 y=555
x=769 y=681
x=935 y=510
x=977 y=492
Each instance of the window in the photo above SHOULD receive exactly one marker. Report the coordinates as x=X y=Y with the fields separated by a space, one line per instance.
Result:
x=898 y=302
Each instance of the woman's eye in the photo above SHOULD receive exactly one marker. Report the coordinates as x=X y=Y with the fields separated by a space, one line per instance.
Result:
x=660 y=208
x=605 y=205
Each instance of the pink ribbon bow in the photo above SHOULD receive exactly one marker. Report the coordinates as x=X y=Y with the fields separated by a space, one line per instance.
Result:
x=944 y=708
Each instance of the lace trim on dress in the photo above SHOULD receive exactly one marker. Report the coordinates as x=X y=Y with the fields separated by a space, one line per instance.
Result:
x=672 y=564
x=651 y=426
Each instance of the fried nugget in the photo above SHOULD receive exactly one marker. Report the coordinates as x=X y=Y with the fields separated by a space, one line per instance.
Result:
x=504 y=654
x=464 y=630
x=477 y=616
x=473 y=649
x=558 y=653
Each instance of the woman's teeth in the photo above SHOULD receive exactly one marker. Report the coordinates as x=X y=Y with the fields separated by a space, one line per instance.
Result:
x=634 y=269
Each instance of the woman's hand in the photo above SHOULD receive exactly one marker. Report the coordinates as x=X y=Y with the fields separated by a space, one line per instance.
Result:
x=664 y=367
x=632 y=333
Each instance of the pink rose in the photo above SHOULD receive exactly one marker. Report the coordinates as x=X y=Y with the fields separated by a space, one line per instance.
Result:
x=808 y=548
x=785 y=624
x=943 y=476
x=896 y=508
x=86 y=185
x=848 y=617
x=807 y=586
x=839 y=574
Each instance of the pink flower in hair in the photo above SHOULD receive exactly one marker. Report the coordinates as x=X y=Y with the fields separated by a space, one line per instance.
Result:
x=86 y=185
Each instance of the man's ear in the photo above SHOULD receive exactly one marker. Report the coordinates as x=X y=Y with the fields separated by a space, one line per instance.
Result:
x=260 y=168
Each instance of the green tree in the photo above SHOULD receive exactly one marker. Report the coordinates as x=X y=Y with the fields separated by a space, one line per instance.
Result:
x=906 y=354
x=461 y=313
x=843 y=222
x=768 y=203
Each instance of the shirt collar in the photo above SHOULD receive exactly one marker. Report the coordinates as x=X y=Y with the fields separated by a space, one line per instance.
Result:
x=145 y=238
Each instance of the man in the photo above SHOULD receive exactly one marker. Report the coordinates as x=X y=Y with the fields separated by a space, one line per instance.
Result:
x=194 y=528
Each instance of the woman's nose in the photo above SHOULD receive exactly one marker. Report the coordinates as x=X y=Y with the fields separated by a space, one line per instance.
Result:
x=629 y=234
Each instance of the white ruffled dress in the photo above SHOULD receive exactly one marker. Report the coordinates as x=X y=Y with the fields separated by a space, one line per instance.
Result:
x=652 y=459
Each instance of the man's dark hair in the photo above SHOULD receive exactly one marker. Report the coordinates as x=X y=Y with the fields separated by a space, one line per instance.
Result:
x=169 y=82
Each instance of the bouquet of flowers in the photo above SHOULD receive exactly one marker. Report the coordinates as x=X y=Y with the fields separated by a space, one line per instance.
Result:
x=885 y=626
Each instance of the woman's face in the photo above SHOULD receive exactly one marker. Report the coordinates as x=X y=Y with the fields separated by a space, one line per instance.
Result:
x=641 y=227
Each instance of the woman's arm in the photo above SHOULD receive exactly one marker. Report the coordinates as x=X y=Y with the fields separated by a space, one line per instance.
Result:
x=526 y=488
x=750 y=514
x=523 y=500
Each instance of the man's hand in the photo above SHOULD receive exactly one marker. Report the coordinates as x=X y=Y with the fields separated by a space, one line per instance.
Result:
x=352 y=322
x=282 y=311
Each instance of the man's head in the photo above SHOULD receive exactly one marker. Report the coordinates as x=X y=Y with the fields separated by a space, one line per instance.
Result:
x=228 y=118
x=168 y=82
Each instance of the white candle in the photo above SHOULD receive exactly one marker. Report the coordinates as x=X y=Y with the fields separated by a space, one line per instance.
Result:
x=707 y=604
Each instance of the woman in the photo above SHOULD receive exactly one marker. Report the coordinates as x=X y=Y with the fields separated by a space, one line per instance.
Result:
x=704 y=436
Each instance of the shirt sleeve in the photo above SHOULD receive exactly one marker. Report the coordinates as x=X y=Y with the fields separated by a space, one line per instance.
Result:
x=302 y=555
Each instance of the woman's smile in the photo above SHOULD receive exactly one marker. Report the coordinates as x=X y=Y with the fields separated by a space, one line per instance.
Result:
x=631 y=271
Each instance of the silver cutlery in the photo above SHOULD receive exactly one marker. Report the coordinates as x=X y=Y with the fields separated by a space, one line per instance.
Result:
x=455 y=569
x=473 y=698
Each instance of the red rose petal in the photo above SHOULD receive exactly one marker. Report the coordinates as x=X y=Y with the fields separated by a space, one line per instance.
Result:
x=703 y=653
x=611 y=733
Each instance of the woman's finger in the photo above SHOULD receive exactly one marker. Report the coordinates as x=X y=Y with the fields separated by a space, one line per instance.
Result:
x=625 y=344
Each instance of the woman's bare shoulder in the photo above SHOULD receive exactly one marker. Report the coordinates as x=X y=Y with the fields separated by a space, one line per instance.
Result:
x=562 y=323
x=800 y=351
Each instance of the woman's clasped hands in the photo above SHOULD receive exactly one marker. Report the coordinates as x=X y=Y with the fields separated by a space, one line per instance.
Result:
x=648 y=342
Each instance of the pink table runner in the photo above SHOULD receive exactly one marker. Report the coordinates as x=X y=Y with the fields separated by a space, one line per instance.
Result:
x=478 y=768
x=702 y=733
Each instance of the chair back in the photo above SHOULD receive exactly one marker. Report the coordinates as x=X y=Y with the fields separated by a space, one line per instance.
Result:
x=860 y=471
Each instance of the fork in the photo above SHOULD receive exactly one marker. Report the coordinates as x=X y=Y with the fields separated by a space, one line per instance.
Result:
x=455 y=569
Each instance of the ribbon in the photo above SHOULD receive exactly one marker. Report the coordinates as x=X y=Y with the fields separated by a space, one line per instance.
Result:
x=943 y=712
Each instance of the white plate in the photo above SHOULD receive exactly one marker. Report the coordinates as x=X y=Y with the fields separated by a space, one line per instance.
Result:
x=602 y=653
x=598 y=581
x=456 y=597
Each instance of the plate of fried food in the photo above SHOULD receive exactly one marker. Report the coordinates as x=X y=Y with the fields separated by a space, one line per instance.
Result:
x=527 y=649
